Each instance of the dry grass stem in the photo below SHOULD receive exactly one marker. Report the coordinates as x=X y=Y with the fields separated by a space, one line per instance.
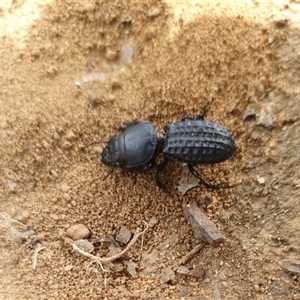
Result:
x=142 y=242
x=99 y=263
x=38 y=248
x=187 y=257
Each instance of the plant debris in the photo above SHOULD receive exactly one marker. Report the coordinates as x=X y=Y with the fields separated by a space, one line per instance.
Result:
x=188 y=256
x=18 y=236
x=187 y=181
x=108 y=260
x=202 y=226
x=38 y=248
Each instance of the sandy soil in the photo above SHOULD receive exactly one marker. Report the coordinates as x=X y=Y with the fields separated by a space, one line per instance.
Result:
x=69 y=79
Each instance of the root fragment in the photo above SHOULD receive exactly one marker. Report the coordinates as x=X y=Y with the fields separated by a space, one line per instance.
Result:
x=38 y=248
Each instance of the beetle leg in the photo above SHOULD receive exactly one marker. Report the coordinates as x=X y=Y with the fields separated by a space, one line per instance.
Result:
x=150 y=165
x=196 y=174
x=202 y=115
x=199 y=117
x=109 y=172
x=159 y=169
x=128 y=125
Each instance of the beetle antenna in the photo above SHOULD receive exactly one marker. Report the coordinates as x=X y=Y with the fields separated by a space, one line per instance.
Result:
x=109 y=172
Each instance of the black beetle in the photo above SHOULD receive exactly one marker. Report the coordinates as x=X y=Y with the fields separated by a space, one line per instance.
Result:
x=190 y=140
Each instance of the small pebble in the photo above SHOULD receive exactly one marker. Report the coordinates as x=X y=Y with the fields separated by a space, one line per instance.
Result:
x=66 y=145
x=64 y=187
x=152 y=221
x=261 y=180
x=93 y=101
x=67 y=197
x=111 y=54
x=222 y=276
x=56 y=136
x=127 y=52
x=131 y=268
x=198 y=273
x=217 y=294
x=78 y=232
x=203 y=227
x=256 y=134
x=51 y=71
x=68 y=268
x=292 y=268
x=167 y=275
x=183 y=270
x=124 y=235
x=87 y=7
x=54 y=217
x=113 y=250
x=85 y=245
x=153 y=12
x=71 y=137
x=12 y=185
x=271 y=39
x=265 y=117
x=82 y=282
x=35 y=53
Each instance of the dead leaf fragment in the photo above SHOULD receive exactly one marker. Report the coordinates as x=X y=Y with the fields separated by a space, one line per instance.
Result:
x=186 y=182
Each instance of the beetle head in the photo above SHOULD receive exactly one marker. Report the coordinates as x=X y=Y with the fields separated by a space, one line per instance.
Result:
x=105 y=156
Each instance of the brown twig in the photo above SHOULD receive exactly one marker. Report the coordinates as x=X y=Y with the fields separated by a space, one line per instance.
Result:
x=187 y=257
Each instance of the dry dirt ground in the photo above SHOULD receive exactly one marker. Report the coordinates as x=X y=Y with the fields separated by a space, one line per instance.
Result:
x=68 y=79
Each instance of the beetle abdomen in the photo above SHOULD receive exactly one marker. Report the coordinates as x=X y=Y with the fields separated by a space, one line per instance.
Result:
x=198 y=142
